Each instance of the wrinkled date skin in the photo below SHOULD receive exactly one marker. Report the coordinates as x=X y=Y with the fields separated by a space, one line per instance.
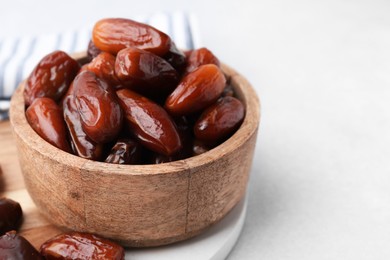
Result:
x=96 y=102
x=82 y=144
x=45 y=117
x=15 y=247
x=10 y=215
x=114 y=34
x=149 y=123
x=200 y=57
x=125 y=151
x=74 y=245
x=220 y=120
x=145 y=72
x=196 y=91
x=103 y=65
x=51 y=77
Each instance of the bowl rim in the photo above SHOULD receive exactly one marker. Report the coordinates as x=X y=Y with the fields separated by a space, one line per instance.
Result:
x=249 y=126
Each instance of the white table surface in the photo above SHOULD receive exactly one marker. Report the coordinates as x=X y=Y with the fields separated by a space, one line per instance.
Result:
x=320 y=183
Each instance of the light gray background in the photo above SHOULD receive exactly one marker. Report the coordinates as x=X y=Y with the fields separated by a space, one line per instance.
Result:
x=320 y=185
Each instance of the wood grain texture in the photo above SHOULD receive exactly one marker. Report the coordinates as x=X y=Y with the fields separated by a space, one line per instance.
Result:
x=137 y=205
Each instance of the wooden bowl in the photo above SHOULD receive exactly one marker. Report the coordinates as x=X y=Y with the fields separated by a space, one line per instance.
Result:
x=138 y=205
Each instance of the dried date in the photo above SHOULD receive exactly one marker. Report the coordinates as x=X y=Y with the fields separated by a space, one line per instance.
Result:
x=220 y=120
x=200 y=57
x=149 y=123
x=103 y=65
x=82 y=144
x=96 y=102
x=125 y=151
x=51 y=77
x=11 y=215
x=15 y=247
x=145 y=72
x=45 y=117
x=114 y=34
x=75 y=245
x=196 y=91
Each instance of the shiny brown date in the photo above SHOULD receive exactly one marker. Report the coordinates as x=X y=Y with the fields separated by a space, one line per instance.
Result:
x=15 y=247
x=96 y=102
x=200 y=57
x=103 y=65
x=45 y=117
x=74 y=245
x=125 y=151
x=51 y=77
x=196 y=91
x=220 y=120
x=149 y=123
x=10 y=215
x=114 y=34
x=145 y=72
x=82 y=144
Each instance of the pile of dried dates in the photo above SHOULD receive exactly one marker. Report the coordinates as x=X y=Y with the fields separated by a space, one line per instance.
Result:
x=138 y=99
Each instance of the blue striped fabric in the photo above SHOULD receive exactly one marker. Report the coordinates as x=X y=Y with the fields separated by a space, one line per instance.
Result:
x=18 y=56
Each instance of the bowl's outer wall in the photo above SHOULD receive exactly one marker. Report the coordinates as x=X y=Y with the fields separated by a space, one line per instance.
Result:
x=138 y=205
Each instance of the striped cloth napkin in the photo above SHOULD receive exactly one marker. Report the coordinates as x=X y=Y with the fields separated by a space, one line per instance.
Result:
x=19 y=56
